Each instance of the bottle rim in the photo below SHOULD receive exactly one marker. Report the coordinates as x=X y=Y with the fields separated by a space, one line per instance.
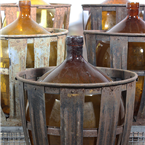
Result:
x=132 y=5
x=74 y=40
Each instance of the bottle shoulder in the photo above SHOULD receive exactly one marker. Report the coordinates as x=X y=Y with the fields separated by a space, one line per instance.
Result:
x=129 y=25
x=75 y=72
x=23 y=26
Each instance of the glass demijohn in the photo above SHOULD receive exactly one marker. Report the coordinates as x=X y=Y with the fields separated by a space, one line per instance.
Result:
x=136 y=50
x=23 y=25
x=74 y=70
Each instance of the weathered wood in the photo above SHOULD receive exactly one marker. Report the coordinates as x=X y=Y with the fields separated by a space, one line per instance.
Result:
x=141 y=112
x=118 y=52
x=41 y=52
x=66 y=25
x=37 y=114
x=96 y=18
x=121 y=13
x=11 y=14
x=17 y=51
x=91 y=48
x=110 y=104
x=129 y=107
x=72 y=101
x=59 y=17
x=60 y=49
x=23 y=111
x=33 y=13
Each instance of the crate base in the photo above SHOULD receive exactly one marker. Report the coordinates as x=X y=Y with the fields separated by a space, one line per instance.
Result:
x=15 y=136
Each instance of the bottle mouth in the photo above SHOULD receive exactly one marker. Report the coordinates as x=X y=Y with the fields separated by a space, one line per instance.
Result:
x=74 y=40
x=132 y=5
x=25 y=3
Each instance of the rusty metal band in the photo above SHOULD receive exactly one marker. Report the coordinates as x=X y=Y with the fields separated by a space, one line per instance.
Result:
x=86 y=132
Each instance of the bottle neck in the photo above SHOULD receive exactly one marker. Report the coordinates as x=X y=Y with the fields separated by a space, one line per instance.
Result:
x=24 y=9
x=74 y=52
x=133 y=13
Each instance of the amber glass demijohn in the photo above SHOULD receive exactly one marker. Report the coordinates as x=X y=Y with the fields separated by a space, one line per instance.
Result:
x=108 y=17
x=44 y=17
x=74 y=70
x=23 y=25
x=136 y=50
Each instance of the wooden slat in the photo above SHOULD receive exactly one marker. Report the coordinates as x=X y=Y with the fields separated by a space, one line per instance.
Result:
x=110 y=104
x=60 y=49
x=33 y=13
x=23 y=112
x=37 y=114
x=3 y=118
x=144 y=14
x=17 y=55
x=66 y=25
x=4 y=71
x=96 y=18
x=121 y=13
x=59 y=17
x=129 y=112
x=11 y=14
x=41 y=52
x=91 y=48
x=118 y=52
x=0 y=19
x=72 y=102
x=141 y=112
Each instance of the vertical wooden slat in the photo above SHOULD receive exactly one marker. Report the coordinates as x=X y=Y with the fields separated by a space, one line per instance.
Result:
x=71 y=109
x=118 y=52
x=121 y=13
x=11 y=14
x=66 y=25
x=41 y=52
x=37 y=114
x=96 y=18
x=23 y=112
x=17 y=54
x=128 y=112
x=60 y=49
x=144 y=14
x=33 y=13
x=110 y=104
x=141 y=112
x=59 y=17
x=91 y=48
x=3 y=118
x=0 y=18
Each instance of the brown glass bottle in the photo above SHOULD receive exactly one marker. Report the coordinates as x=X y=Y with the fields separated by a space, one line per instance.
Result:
x=136 y=51
x=108 y=17
x=23 y=25
x=74 y=69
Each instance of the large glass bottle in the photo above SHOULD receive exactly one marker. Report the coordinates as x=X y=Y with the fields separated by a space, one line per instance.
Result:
x=75 y=70
x=136 y=50
x=108 y=17
x=23 y=25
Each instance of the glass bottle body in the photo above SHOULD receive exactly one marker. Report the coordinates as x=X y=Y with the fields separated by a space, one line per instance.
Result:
x=136 y=51
x=23 y=25
x=74 y=70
